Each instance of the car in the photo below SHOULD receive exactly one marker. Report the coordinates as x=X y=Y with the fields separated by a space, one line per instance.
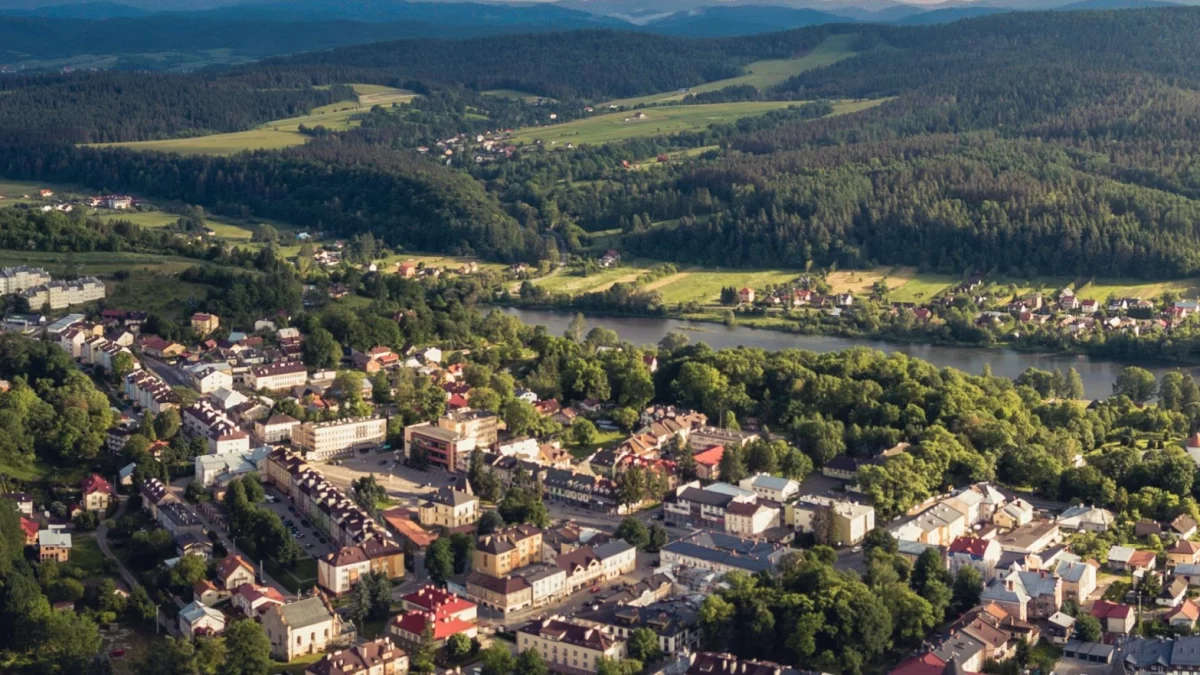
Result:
x=383 y=462
x=856 y=549
x=594 y=589
x=306 y=523
x=659 y=516
x=292 y=509
x=669 y=523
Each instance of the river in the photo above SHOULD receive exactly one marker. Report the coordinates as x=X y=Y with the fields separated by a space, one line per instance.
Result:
x=1097 y=373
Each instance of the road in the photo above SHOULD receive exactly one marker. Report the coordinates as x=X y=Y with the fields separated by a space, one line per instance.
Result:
x=170 y=374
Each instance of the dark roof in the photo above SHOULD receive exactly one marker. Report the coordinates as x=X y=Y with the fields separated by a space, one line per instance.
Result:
x=503 y=586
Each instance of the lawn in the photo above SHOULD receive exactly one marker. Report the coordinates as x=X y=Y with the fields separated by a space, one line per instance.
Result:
x=230 y=230
x=921 y=288
x=162 y=294
x=86 y=555
x=452 y=262
x=1101 y=289
x=96 y=262
x=704 y=286
x=603 y=439
x=512 y=93
x=660 y=121
x=31 y=473
x=567 y=281
x=761 y=74
x=282 y=133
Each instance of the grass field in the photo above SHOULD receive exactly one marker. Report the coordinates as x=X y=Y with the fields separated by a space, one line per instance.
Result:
x=512 y=93
x=282 y=133
x=159 y=293
x=97 y=262
x=662 y=120
x=761 y=74
x=86 y=555
x=436 y=260
x=705 y=286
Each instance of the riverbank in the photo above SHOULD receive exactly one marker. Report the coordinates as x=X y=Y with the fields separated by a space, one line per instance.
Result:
x=1097 y=372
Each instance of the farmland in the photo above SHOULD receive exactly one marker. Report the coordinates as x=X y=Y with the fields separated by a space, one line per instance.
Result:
x=282 y=133
x=760 y=74
x=661 y=120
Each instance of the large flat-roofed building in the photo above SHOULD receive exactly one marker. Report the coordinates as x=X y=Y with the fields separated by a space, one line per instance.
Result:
x=62 y=294
x=277 y=376
x=440 y=446
x=325 y=440
x=21 y=278
x=481 y=425
x=203 y=419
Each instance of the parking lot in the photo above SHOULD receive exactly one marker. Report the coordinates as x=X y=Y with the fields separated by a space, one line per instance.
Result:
x=314 y=542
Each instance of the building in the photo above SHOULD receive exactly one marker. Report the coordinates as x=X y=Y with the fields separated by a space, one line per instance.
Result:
x=233 y=571
x=1079 y=580
x=97 y=494
x=708 y=462
x=1118 y=619
x=14 y=280
x=306 y=626
x=503 y=551
x=771 y=487
x=221 y=469
x=209 y=377
x=1183 y=552
x=1026 y=595
x=1086 y=519
x=275 y=429
x=480 y=425
x=202 y=419
x=377 y=657
x=200 y=619
x=442 y=447
x=938 y=525
x=548 y=583
x=277 y=376
x=504 y=594
x=148 y=392
x=203 y=324
x=30 y=529
x=1016 y=513
x=339 y=572
x=616 y=557
x=54 y=545
x=62 y=294
x=569 y=646
x=722 y=553
x=1031 y=537
x=982 y=554
x=848 y=522
x=451 y=615
x=22 y=501
x=253 y=600
x=449 y=507
x=322 y=441
x=675 y=621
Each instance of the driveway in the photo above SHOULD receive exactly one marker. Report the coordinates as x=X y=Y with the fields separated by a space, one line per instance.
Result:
x=314 y=542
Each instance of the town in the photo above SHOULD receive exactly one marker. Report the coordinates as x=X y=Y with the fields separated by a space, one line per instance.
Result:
x=492 y=534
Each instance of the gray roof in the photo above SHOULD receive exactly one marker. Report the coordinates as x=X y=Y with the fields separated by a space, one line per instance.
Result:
x=1071 y=571
x=769 y=482
x=452 y=497
x=1186 y=651
x=690 y=550
x=1037 y=584
x=1144 y=653
x=1188 y=569
x=612 y=548
x=305 y=612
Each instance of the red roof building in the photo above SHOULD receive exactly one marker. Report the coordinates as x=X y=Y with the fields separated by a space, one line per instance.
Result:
x=96 y=483
x=1104 y=609
x=30 y=528
x=973 y=546
x=707 y=462
x=449 y=613
x=923 y=664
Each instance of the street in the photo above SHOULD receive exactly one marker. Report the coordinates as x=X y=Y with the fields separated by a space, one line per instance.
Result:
x=314 y=542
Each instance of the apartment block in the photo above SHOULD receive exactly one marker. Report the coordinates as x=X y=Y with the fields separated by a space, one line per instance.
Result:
x=62 y=294
x=322 y=441
x=21 y=278
x=277 y=376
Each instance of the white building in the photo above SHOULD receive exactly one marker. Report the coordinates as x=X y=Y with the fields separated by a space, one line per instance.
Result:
x=62 y=294
x=221 y=468
x=209 y=377
x=17 y=279
x=277 y=376
x=325 y=440
x=771 y=487
x=203 y=419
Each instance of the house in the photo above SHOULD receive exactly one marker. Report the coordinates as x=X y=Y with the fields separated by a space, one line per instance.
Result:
x=1183 y=527
x=30 y=529
x=841 y=467
x=277 y=428
x=253 y=600
x=1086 y=519
x=1079 y=579
x=191 y=543
x=233 y=571
x=746 y=296
x=1016 y=513
x=376 y=657
x=1172 y=594
x=616 y=557
x=1141 y=562
x=1183 y=552
x=1118 y=619
x=771 y=487
x=1060 y=627
x=1118 y=557
x=1189 y=572
x=97 y=494
x=209 y=377
x=340 y=571
x=581 y=567
x=450 y=615
x=54 y=545
x=848 y=522
x=1144 y=528
x=449 y=507
x=1026 y=595
x=938 y=525
x=205 y=593
x=503 y=551
x=967 y=551
x=203 y=323
x=570 y=646
x=504 y=594
x=21 y=500
x=306 y=626
x=1031 y=538
x=1183 y=616
x=708 y=462
x=200 y=619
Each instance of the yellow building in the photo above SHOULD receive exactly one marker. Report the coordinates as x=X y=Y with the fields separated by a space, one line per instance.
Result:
x=450 y=508
x=501 y=552
x=570 y=647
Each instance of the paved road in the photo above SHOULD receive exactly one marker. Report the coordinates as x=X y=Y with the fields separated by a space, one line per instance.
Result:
x=170 y=374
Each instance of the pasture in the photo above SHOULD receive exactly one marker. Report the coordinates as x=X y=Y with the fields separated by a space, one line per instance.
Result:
x=760 y=74
x=279 y=134
x=660 y=121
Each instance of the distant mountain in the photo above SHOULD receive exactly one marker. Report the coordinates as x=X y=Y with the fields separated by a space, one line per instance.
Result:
x=1117 y=4
x=740 y=20
x=947 y=15
x=435 y=13
x=82 y=10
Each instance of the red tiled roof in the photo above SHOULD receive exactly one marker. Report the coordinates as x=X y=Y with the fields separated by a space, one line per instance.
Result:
x=413 y=622
x=972 y=546
x=29 y=527
x=432 y=598
x=1188 y=610
x=230 y=564
x=924 y=664
x=1141 y=559
x=711 y=456
x=1104 y=609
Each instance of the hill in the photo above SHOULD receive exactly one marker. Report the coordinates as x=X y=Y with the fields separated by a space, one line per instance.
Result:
x=740 y=20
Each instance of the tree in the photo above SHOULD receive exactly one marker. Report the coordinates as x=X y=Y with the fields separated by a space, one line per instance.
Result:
x=248 y=651
x=643 y=645
x=368 y=493
x=497 y=660
x=69 y=641
x=489 y=522
x=321 y=350
x=458 y=646
x=606 y=666
x=166 y=424
x=520 y=416
x=1087 y=628
x=634 y=532
x=439 y=560
x=485 y=398
x=716 y=622
x=421 y=657
x=575 y=329
x=189 y=570
x=732 y=467
x=1136 y=383
x=530 y=662
x=583 y=431
x=658 y=538
x=968 y=585
x=1074 y=388
x=122 y=365
x=631 y=486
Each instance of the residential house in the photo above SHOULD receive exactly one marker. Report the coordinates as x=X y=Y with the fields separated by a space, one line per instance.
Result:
x=54 y=545
x=982 y=554
x=1189 y=572
x=771 y=487
x=1027 y=595
x=30 y=529
x=938 y=525
x=1117 y=619
x=206 y=593
x=1172 y=594
x=450 y=615
x=233 y=571
x=376 y=657
x=97 y=494
x=504 y=594
x=306 y=626
x=1141 y=562
x=449 y=507
x=1183 y=552
x=1079 y=580
x=1015 y=514
x=203 y=323
x=547 y=581
x=1086 y=519
x=503 y=551
x=209 y=377
x=581 y=566
x=278 y=376
x=1032 y=537
x=708 y=462
x=1183 y=526
x=275 y=429
x=1118 y=557
x=848 y=522
x=340 y=571
x=616 y=557
x=200 y=619
x=1183 y=616
x=1060 y=627
x=22 y=501
x=570 y=646
x=253 y=600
